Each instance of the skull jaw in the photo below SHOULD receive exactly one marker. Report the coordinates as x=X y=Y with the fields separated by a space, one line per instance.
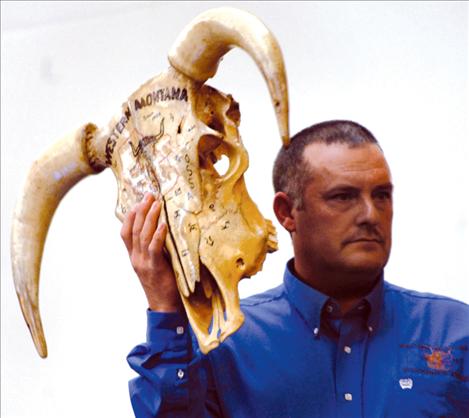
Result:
x=213 y=312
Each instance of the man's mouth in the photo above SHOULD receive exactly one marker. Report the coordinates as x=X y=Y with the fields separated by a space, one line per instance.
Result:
x=364 y=239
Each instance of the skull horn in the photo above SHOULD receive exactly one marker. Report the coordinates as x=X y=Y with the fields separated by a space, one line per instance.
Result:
x=201 y=45
x=50 y=177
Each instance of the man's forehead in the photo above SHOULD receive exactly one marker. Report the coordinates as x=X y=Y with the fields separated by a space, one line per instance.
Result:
x=340 y=155
x=342 y=160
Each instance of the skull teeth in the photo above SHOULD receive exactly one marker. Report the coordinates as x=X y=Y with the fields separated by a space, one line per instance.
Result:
x=272 y=244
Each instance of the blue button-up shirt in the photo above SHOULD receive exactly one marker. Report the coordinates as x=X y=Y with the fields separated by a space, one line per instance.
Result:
x=398 y=353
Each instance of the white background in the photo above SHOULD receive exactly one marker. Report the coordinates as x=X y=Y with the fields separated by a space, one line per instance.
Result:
x=401 y=69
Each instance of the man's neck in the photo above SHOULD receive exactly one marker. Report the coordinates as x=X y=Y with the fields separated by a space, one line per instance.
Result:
x=347 y=288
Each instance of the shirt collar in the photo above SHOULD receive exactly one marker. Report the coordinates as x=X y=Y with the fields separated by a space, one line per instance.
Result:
x=310 y=302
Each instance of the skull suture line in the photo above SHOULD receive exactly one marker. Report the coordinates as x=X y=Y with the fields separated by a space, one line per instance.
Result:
x=171 y=132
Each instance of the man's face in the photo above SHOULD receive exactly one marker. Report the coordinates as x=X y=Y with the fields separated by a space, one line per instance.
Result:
x=344 y=225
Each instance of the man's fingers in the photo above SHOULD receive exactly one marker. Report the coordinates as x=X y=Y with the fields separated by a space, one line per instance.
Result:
x=157 y=242
x=150 y=225
x=126 y=230
x=141 y=213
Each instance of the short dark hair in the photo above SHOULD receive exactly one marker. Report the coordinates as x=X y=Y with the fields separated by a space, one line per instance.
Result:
x=291 y=173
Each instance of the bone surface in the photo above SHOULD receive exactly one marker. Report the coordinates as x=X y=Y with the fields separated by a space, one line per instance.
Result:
x=166 y=140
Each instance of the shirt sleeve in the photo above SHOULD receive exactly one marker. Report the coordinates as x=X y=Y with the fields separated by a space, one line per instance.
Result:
x=175 y=379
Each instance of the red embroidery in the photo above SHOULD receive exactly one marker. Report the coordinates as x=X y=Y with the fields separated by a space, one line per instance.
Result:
x=439 y=359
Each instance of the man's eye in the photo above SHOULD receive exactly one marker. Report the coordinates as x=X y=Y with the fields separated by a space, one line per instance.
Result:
x=383 y=195
x=342 y=197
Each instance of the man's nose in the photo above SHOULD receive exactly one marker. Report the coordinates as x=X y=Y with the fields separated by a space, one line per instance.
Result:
x=368 y=212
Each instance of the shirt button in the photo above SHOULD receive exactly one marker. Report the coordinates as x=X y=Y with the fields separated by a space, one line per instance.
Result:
x=347 y=349
x=329 y=308
x=370 y=328
x=348 y=396
x=180 y=330
x=316 y=331
x=180 y=373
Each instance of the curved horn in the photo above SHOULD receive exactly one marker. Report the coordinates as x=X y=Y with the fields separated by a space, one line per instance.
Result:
x=49 y=179
x=201 y=45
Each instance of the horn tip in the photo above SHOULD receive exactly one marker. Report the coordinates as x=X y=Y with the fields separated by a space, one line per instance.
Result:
x=39 y=341
x=42 y=351
x=33 y=321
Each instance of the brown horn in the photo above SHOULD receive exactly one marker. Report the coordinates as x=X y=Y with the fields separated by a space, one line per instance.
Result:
x=50 y=177
x=201 y=45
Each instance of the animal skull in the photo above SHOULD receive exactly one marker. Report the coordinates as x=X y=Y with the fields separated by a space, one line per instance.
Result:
x=166 y=141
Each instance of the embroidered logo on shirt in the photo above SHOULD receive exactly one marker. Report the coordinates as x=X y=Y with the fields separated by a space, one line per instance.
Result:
x=439 y=359
x=406 y=383
x=432 y=360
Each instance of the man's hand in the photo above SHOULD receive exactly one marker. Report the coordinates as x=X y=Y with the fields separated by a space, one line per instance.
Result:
x=145 y=244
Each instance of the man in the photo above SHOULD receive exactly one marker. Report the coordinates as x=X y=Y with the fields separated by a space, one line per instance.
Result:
x=335 y=339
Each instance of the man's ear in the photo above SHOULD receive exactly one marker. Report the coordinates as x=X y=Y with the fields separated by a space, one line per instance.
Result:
x=283 y=209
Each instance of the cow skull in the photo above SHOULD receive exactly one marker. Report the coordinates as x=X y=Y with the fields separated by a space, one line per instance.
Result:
x=170 y=134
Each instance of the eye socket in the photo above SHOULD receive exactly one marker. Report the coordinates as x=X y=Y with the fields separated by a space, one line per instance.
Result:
x=206 y=148
x=222 y=165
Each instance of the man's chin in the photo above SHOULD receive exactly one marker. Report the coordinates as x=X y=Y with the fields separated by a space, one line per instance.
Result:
x=365 y=264
x=365 y=256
